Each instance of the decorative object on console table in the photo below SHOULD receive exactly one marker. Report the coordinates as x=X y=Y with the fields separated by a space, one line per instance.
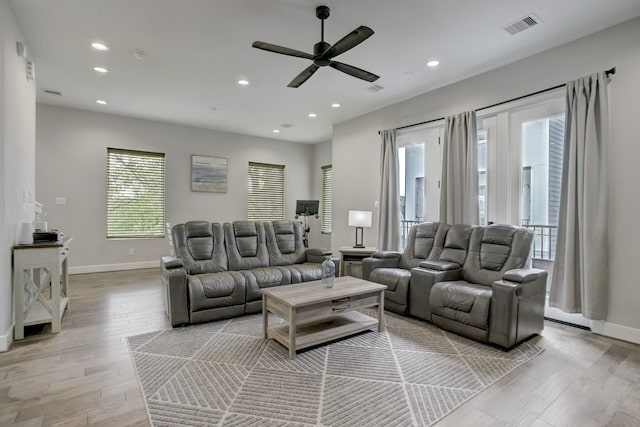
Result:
x=40 y=277
x=351 y=260
x=209 y=174
x=359 y=219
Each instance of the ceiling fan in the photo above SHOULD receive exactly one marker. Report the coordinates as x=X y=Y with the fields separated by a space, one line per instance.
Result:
x=323 y=52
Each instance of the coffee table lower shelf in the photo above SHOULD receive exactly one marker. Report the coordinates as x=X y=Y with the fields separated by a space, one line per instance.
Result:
x=323 y=330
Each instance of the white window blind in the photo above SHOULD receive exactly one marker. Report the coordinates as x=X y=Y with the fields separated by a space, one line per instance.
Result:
x=265 y=198
x=327 y=199
x=135 y=194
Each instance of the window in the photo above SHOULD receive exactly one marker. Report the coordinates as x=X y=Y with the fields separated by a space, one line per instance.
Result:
x=265 y=186
x=542 y=147
x=135 y=194
x=327 y=199
x=482 y=176
x=418 y=177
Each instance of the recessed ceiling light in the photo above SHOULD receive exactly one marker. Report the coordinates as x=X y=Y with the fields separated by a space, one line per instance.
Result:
x=100 y=46
x=101 y=70
x=335 y=105
x=433 y=63
x=276 y=131
x=243 y=82
x=101 y=102
x=312 y=115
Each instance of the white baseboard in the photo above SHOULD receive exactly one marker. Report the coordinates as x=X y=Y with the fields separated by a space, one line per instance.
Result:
x=6 y=339
x=613 y=330
x=101 y=268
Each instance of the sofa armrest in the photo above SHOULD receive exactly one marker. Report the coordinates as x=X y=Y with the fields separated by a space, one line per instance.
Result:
x=174 y=278
x=517 y=306
x=170 y=262
x=371 y=263
x=386 y=254
x=522 y=275
x=440 y=265
x=422 y=280
x=317 y=254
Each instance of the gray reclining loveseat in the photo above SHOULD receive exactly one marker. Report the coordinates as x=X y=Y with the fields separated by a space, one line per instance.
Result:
x=218 y=270
x=475 y=282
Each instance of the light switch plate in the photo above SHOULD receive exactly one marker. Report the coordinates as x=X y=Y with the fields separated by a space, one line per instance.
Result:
x=61 y=201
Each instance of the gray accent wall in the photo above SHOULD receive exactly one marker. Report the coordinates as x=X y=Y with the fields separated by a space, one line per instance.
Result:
x=71 y=164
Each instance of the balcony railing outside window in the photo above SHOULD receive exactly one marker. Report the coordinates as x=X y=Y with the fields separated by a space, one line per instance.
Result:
x=405 y=226
x=544 y=242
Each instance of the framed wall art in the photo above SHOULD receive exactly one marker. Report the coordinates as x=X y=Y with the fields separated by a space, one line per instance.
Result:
x=209 y=174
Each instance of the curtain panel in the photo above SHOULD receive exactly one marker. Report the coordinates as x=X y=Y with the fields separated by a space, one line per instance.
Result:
x=389 y=218
x=581 y=270
x=459 y=183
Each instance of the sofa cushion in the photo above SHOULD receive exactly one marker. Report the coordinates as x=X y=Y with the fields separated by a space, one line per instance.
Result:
x=456 y=244
x=305 y=272
x=425 y=241
x=494 y=250
x=258 y=278
x=200 y=244
x=246 y=245
x=284 y=242
x=390 y=277
x=216 y=290
x=462 y=302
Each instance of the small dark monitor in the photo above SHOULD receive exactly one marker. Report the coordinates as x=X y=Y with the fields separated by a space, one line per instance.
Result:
x=307 y=207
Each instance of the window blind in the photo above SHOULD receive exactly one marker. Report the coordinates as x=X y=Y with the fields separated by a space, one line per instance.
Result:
x=265 y=188
x=135 y=194
x=327 y=199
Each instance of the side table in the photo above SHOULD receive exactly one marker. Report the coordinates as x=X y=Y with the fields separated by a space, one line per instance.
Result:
x=40 y=277
x=351 y=260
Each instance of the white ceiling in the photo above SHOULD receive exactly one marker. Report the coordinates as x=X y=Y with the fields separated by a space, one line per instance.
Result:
x=196 y=51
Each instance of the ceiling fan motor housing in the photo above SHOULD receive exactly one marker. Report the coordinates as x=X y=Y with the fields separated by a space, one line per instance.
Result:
x=318 y=49
x=322 y=12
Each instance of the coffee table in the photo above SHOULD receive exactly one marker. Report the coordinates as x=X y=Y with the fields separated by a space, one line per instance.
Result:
x=316 y=315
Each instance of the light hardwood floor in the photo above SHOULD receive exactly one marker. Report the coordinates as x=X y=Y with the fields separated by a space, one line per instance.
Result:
x=84 y=375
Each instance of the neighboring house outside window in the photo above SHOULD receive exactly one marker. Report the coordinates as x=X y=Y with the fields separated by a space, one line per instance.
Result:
x=135 y=194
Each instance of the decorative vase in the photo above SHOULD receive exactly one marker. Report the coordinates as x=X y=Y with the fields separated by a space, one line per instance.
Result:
x=328 y=272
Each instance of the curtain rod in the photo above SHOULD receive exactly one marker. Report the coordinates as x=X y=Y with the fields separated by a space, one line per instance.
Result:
x=608 y=72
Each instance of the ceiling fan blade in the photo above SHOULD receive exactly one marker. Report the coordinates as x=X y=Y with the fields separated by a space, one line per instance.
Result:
x=349 y=41
x=303 y=76
x=281 y=50
x=354 y=71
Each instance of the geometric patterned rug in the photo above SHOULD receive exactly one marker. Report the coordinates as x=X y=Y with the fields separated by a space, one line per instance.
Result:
x=224 y=374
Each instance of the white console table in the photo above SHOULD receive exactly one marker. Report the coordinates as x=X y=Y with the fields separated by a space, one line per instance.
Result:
x=40 y=277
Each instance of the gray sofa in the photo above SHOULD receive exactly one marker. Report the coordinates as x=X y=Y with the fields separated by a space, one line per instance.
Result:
x=474 y=281
x=218 y=270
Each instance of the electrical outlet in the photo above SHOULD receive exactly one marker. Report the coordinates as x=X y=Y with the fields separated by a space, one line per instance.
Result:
x=132 y=251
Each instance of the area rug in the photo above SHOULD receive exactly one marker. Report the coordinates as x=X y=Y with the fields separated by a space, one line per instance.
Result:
x=225 y=374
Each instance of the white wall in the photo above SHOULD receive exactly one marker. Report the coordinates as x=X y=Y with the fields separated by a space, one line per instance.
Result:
x=321 y=157
x=356 y=145
x=71 y=163
x=17 y=157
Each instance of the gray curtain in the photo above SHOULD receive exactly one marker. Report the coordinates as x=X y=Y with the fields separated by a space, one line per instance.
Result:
x=389 y=219
x=459 y=184
x=581 y=269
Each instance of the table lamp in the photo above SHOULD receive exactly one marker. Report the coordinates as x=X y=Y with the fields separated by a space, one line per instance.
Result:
x=359 y=219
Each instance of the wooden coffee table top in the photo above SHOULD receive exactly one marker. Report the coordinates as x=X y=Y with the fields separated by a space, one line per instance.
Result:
x=302 y=294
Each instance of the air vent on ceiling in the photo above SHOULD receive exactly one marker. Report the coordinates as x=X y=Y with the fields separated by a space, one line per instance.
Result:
x=375 y=88
x=286 y=125
x=522 y=24
x=53 y=92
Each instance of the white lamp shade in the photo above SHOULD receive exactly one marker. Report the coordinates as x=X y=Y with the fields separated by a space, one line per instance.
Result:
x=359 y=219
